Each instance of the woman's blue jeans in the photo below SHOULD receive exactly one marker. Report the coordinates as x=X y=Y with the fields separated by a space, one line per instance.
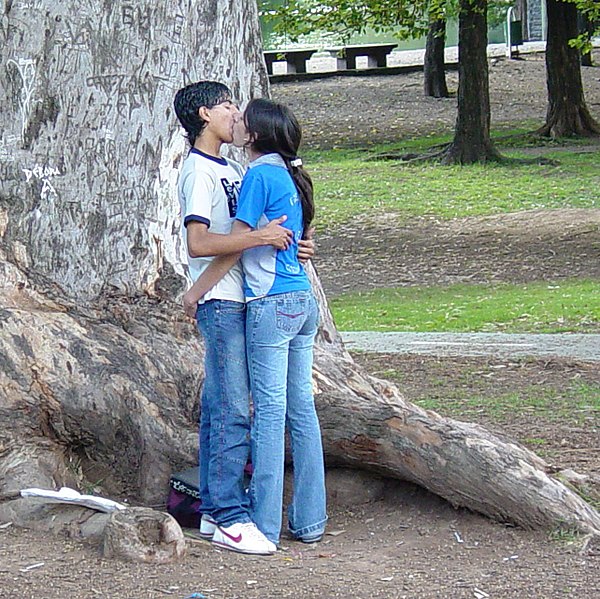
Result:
x=225 y=412
x=280 y=332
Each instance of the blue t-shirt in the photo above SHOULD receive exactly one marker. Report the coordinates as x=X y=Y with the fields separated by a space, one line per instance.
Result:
x=268 y=191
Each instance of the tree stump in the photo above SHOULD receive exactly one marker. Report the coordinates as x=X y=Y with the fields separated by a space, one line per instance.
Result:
x=140 y=534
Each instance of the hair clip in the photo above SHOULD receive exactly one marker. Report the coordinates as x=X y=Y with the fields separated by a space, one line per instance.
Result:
x=296 y=162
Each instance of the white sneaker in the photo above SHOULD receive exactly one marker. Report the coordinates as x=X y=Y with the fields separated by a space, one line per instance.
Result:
x=243 y=537
x=208 y=525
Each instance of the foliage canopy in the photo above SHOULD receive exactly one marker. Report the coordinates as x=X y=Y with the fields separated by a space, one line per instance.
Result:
x=591 y=10
x=406 y=18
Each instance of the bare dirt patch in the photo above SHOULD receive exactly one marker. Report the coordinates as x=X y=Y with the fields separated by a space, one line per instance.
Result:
x=407 y=545
x=404 y=543
x=515 y=248
x=358 y=111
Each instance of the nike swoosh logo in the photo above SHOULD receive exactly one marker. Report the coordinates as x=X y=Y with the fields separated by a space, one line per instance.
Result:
x=234 y=539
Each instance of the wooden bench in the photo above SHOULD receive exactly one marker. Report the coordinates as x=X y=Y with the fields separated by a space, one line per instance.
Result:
x=295 y=59
x=376 y=55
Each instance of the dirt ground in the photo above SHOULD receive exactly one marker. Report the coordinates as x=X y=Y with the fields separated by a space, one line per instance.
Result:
x=390 y=539
x=517 y=248
x=521 y=247
x=357 y=111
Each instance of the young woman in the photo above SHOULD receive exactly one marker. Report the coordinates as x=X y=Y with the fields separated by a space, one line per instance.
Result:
x=281 y=322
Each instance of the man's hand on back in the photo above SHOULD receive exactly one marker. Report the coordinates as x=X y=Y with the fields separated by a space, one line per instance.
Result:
x=306 y=247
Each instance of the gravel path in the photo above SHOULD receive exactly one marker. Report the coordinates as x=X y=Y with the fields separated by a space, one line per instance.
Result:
x=584 y=347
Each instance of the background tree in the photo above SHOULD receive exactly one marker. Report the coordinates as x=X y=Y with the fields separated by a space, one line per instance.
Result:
x=585 y=26
x=434 y=65
x=588 y=25
x=434 y=71
x=567 y=112
x=100 y=372
x=472 y=141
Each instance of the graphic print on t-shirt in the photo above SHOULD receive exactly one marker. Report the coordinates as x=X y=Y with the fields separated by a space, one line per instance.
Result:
x=232 y=191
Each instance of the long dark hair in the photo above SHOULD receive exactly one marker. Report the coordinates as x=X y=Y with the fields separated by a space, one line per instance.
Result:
x=272 y=127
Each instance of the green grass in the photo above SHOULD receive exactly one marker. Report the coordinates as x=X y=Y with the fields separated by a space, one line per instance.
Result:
x=565 y=535
x=540 y=307
x=349 y=186
x=568 y=405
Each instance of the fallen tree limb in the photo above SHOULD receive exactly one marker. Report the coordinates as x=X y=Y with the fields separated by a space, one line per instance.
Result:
x=367 y=423
x=114 y=391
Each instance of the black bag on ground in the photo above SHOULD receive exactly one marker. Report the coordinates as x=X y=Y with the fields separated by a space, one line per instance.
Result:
x=183 y=502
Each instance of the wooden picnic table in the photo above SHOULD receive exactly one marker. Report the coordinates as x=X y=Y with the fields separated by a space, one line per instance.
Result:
x=295 y=59
x=376 y=55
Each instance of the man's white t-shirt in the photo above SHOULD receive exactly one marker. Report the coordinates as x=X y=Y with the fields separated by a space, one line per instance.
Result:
x=208 y=193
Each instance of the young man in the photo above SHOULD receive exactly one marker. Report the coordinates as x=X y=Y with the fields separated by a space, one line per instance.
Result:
x=208 y=191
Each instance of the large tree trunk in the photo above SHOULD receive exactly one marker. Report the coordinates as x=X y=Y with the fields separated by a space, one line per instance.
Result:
x=567 y=113
x=89 y=150
x=472 y=141
x=89 y=134
x=434 y=72
x=100 y=372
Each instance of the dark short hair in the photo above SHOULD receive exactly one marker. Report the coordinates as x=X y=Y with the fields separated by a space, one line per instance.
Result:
x=189 y=99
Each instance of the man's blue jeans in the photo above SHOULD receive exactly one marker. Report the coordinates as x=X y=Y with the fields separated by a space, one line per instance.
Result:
x=280 y=332
x=225 y=412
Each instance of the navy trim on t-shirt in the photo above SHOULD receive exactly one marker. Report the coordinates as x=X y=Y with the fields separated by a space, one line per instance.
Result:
x=221 y=161
x=196 y=219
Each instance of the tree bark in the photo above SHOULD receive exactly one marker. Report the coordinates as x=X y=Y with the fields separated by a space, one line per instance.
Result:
x=107 y=398
x=434 y=63
x=100 y=370
x=472 y=142
x=89 y=149
x=89 y=135
x=567 y=113
x=459 y=461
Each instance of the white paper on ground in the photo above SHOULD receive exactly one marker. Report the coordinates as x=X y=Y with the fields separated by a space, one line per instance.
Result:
x=70 y=496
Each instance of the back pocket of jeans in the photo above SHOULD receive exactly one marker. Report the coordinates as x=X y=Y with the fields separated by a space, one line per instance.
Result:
x=289 y=319
x=228 y=307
